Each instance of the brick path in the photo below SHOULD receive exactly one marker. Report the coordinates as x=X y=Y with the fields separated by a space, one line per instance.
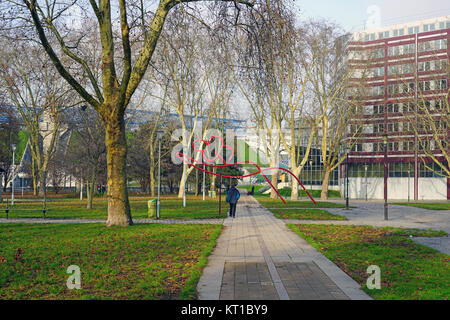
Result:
x=258 y=257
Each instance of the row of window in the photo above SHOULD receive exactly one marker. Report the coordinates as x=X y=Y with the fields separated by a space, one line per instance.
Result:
x=395 y=146
x=432 y=85
x=433 y=45
x=405 y=107
x=401 y=50
x=395 y=170
x=397 y=88
x=400 y=69
x=432 y=65
x=411 y=30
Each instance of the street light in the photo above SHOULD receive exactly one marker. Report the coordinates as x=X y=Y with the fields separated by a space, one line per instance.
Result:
x=204 y=183
x=365 y=174
x=159 y=134
x=13 y=146
x=385 y=146
x=347 y=151
x=409 y=174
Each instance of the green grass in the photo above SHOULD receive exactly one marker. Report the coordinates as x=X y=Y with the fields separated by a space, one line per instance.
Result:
x=306 y=214
x=286 y=192
x=277 y=203
x=408 y=270
x=249 y=188
x=429 y=206
x=171 y=208
x=147 y=261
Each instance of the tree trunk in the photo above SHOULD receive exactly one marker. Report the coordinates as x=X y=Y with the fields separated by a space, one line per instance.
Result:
x=152 y=169
x=119 y=213
x=33 y=175
x=42 y=186
x=274 y=180
x=196 y=183
x=294 y=185
x=183 y=180
x=325 y=181
x=89 y=194
x=152 y=181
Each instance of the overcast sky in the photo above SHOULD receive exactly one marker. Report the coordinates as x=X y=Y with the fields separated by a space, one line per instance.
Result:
x=352 y=14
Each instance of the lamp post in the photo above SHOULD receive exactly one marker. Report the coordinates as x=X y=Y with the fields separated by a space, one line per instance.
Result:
x=409 y=174
x=13 y=172
x=385 y=146
x=159 y=134
x=204 y=182
x=365 y=174
x=347 y=151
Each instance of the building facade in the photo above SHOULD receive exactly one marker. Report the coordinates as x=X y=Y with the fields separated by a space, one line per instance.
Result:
x=402 y=66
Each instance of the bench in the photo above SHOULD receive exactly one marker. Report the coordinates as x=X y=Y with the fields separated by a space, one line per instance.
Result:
x=8 y=209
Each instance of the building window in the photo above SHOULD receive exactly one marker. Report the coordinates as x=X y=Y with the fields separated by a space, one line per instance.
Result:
x=378 y=109
x=408 y=145
x=424 y=86
x=413 y=30
x=378 y=72
x=393 y=146
x=440 y=84
x=409 y=107
x=378 y=128
x=401 y=169
x=406 y=127
x=393 y=108
x=378 y=53
x=435 y=172
x=399 y=32
x=393 y=127
x=428 y=27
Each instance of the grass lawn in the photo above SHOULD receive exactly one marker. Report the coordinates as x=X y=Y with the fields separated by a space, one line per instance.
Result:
x=408 y=270
x=277 y=203
x=153 y=261
x=429 y=206
x=306 y=214
x=171 y=208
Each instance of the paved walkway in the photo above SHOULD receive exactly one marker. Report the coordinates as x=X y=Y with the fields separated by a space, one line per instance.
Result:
x=258 y=257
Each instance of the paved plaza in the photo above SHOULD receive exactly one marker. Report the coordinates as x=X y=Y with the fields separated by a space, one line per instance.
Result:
x=258 y=257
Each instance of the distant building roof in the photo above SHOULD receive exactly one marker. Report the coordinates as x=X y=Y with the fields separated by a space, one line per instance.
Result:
x=139 y=117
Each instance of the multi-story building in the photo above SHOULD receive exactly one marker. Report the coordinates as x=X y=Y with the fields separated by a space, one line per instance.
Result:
x=399 y=66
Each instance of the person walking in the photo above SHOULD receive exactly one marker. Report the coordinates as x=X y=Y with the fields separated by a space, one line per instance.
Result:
x=233 y=196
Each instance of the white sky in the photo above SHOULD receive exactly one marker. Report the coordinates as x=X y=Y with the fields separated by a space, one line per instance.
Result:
x=352 y=14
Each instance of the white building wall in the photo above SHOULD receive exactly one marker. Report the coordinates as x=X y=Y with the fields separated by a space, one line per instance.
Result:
x=429 y=188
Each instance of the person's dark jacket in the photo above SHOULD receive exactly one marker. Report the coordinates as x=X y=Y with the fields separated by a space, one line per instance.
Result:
x=233 y=195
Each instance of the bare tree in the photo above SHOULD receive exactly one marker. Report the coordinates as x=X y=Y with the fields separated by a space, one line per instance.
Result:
x=87 y=151
x=122 y=69
x=337 y=97
x=40 y=95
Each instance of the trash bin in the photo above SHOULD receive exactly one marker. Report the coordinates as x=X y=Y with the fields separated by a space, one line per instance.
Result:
x=152 y=205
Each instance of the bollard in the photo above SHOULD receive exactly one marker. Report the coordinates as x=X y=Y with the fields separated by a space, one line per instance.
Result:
x=152 y=204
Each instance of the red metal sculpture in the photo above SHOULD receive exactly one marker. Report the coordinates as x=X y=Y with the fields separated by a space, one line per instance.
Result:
x=196 y=164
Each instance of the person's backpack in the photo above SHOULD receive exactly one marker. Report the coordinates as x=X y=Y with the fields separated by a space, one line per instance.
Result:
x=228 y=197
x=238 y=195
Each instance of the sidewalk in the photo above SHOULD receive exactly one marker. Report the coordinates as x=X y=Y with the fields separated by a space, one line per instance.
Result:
x=258 y=257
